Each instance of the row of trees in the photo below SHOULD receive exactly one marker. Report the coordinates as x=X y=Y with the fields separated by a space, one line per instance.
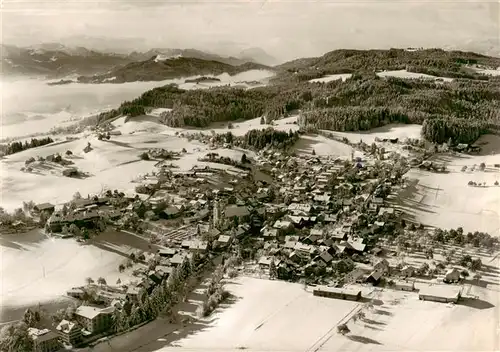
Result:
x=260 y=139
x=18 y=215
x=15 y=147
x=162 y=298
x=476 y=239
x=351 y=118
x=441 y=130
x=215 y=292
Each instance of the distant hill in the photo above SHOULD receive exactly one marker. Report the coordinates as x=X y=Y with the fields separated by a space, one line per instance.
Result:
x=453 y=64
x=460 y=109
x=55 y=60
x=187 y=53
x=257 y=55
x=159 y=68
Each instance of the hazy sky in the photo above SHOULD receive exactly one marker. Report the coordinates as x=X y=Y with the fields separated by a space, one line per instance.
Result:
x=285 y=29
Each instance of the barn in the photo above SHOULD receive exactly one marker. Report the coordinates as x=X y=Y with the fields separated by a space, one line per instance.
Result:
x=346 y=293
x=440 y=293
x=404 y=285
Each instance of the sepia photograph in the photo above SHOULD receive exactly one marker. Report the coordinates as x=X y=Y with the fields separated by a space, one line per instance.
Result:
x=249 y=175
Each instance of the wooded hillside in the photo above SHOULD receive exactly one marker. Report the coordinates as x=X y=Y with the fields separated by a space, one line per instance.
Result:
x=462 y=109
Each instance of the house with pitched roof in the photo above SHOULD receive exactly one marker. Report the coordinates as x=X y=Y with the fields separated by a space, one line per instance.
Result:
x=94 y=320
x=69 y=332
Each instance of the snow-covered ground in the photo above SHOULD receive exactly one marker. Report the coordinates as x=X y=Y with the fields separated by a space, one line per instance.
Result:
x=323 y=146
x=239 y=128
x=279 y=316
x=404 y=323
x=414 y=75
x=445 y=199
x=329 y=78
x=400 y=131
x=268 y=316
x=112 y=164
x=489 y=72
x=38 y=269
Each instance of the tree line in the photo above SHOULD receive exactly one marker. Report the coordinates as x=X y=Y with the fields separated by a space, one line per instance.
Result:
x=162 y=298
x=16 y=147
x=441 y=130
x=362 y=102
x=437 y=62
x=260 y=139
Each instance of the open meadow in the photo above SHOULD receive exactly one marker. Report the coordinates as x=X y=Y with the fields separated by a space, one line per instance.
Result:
x=279 y=316
x=39 y=269
x=446 y=200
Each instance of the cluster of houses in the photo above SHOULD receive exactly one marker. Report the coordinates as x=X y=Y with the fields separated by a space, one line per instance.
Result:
x=92 y=322
x=88 y=322
x=304 y=214
x=84 y=213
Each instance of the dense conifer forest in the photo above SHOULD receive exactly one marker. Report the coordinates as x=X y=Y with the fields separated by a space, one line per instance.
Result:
x=461 y=110
x=16 y=147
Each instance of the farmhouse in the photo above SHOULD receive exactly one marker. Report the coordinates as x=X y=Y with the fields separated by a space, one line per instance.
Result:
x=132 y=293
x=339 y=293
x=382 y=265
x=44 y=207
x=440 y=293
x=76 y=292
x=265 y=262
x=177 y=259
x=404 y=285
x=407 y=271
x=374 y=277
x=171 y=212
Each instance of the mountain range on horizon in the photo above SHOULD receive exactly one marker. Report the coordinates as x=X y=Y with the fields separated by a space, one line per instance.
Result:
x=55 y=60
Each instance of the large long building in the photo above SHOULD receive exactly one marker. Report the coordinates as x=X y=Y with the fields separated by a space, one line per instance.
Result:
x=347 y=293
x=440 y=293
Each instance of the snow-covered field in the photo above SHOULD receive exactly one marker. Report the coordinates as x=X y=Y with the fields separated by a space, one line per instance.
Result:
x=400 y=131
x=280 y=316
x=404 y=323
x=323 y=146
x=329 y=78
x=413 y=75
x=239 y=128
x=268 y=316
x=395 y=73
x=113 y=164
x=489 y=72
x=38 y=269
x=445 y=199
